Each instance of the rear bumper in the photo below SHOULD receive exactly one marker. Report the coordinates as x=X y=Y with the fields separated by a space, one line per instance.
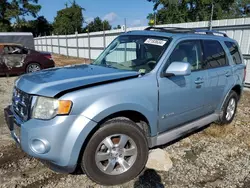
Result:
x=48 y=64
x=56 y=142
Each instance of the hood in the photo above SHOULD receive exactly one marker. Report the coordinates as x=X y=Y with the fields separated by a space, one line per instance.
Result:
x=52 y=82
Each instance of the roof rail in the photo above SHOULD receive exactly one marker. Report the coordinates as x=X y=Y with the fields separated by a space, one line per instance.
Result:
x=169 y=29
x=210 y=32
x=186 y=30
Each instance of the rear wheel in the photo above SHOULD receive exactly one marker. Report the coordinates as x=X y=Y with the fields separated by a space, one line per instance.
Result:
x=116 y=153
x=229 y=108
x=33 y=67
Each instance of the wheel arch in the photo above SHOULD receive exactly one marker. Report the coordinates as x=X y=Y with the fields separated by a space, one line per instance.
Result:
x=135 y=116
x=237 y=88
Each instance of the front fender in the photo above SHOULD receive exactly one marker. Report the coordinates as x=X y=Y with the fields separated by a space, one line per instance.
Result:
x=108 y=105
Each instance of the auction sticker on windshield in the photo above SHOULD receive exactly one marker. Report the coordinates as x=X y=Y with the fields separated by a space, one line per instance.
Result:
x=155 y=42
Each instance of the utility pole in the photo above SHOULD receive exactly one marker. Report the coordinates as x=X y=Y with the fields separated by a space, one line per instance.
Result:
x=104 y=37
x=125 y=45
x=211 y=18
x=155 y=19
x=125 y=24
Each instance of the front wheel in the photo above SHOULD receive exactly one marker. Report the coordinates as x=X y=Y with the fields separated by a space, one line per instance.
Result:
x=116 y=153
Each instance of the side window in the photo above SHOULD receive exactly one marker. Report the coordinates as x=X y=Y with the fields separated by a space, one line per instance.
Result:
x=7 y=49
x=17 y=50
x=215 y=55
x=188 y=51
x=234 y=51
x=13 y=50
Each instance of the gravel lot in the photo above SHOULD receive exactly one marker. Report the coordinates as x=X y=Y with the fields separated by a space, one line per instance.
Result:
x=217 y=156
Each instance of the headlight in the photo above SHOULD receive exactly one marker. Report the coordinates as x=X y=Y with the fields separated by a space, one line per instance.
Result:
x=47 y=108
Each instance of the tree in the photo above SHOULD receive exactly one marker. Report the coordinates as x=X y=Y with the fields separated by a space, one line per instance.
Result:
x=69 y=20
x=118 y=27
x=38 y=27
x=97 y=25
x=178 y=11
x=106 y=25
x=13 y=10
x=245 y=7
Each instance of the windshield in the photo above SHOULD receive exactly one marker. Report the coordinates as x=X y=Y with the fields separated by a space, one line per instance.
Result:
x=136 y=53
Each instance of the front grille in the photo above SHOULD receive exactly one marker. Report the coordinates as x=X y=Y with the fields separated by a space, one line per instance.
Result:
x=21 y=102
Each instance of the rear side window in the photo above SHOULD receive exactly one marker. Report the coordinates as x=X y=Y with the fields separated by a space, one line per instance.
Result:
x=214 y=54
x=234 y=51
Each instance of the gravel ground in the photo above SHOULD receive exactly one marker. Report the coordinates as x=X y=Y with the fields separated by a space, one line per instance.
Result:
x=216 y=156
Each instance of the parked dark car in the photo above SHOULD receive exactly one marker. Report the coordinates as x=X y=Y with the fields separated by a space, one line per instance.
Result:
x=17 y=59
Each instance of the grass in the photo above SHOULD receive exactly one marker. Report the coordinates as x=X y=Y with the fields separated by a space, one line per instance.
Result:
x=220 y=131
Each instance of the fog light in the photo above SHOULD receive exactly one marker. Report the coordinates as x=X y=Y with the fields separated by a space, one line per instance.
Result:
x=40 y=146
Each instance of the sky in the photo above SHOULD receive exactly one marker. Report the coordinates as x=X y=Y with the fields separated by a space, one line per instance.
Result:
x=135 y=11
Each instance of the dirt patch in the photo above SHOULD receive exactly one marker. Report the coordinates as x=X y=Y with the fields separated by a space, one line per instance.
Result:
x=219 y=131
x=51 y=178
x=61 y=60
x=10 y=154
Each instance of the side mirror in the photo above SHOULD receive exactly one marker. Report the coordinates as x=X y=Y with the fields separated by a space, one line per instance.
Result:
x=178 y=69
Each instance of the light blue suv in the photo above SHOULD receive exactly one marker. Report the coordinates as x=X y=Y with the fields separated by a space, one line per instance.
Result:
x=147 y=88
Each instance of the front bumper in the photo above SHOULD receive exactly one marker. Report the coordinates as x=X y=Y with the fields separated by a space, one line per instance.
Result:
x=62 y=138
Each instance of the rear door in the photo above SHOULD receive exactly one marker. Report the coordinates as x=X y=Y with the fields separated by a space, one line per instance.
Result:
x=220 y=74
x=13 y=59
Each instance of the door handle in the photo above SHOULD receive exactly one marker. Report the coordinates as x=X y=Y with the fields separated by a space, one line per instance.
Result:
x=199 y=81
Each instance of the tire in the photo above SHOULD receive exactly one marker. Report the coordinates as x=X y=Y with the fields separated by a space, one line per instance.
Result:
x=104 y=172
x=225 y=118
x=33 y=67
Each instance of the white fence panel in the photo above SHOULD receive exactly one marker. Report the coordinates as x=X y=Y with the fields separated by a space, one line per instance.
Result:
x=245 y=41
x=63 y=50
x=62 y=41
x=95 y=53
x=48 y=41
x=248 y=71
x=72 y=52
x=84 y=53
x=49 y=49
x=72 y=42
x=55 y=41
x=83 y=42
x=96 y=41
x=55 y=50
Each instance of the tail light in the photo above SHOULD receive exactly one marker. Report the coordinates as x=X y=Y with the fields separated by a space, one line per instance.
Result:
x=48 y=56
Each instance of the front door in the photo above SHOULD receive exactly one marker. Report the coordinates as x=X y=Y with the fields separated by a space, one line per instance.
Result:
x=13 y=58
x=181 y=98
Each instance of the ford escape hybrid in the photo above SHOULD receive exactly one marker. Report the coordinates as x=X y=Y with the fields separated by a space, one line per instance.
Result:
x=147 y=88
